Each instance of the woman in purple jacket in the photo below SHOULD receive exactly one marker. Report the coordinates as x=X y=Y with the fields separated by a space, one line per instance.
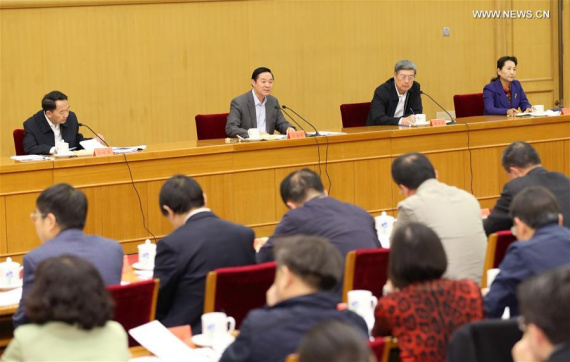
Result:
x=504 y=95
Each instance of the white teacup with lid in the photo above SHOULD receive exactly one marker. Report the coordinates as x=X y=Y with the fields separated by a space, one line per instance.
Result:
x=9 y=273
x=147 y=252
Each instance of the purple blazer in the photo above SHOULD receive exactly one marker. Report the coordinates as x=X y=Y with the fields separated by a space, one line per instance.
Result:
x=496 y=101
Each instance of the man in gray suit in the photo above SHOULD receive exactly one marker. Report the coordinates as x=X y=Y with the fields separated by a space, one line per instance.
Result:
x=59 y=220
x=257 y=109
x=453 y=214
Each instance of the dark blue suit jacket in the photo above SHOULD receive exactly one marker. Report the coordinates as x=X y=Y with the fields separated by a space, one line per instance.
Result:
x=346 y=226
x=496 y=101
x=547 y=249
x=106 y=255
x=385 y=101
x=39 y=138
x=270 y=334
x=184 y=258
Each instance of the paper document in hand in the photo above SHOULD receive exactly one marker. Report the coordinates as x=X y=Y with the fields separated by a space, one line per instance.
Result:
x=162 y=343
x=91 y=144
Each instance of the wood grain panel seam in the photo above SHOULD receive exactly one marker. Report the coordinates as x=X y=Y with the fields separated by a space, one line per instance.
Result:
x=34 y=4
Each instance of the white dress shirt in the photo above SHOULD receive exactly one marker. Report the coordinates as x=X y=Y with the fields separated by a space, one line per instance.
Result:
x=400 y=107
x=260 y=112
x=56 y=132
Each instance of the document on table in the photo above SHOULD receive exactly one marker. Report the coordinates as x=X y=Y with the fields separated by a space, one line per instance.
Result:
x=30 y=158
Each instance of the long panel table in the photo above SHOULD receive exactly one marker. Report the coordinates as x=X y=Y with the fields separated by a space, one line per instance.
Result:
x=242 y=180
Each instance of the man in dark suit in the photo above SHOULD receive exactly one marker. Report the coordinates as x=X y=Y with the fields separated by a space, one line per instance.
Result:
x=59 y=220
x=397 y=100
x=346 y=226
x=200 y=243
x=53 y=124
x=257 y=109
x=522 y=165
x=308 y=268
x=543 y=244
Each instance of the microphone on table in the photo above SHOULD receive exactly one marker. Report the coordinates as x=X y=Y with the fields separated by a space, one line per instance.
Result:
x=434 y=101
x=307 y=122
x=95 y=133
x=288 y=115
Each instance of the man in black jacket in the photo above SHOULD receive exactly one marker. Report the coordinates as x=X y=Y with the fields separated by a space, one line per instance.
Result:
x=307 y=268
x=522 y=165
x=398 y=100
x=200 y=243
x=53 y=124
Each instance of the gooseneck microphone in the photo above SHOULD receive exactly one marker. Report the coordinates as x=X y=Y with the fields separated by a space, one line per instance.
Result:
x=307 y=122
x=288 y=115
x=434 y=101
x=95 y=133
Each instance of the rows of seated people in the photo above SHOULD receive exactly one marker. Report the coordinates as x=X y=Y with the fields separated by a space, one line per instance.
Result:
x=434 y=271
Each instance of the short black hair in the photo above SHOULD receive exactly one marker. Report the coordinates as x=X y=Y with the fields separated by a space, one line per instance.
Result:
x=544 y=301
x=334 y=341
x=66 y=203
x=412 y=169
x=519 y=154
x=501 y=63
x=181 y=194
x=296 y=186
x=68 y=289
x=313 y=259
x=416 y=255
x=48 y=102
x=535 y=206
x=260 y=70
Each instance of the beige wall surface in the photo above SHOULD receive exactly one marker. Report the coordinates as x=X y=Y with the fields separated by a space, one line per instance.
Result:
x=140 y=73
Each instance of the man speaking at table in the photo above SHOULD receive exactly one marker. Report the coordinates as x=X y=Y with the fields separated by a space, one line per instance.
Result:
x=397 y=100
x=257 y=109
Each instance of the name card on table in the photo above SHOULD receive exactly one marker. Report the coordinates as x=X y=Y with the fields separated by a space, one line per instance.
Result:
x=565 y=111
x=296 y=134
x=438 y=122
x=107 y=151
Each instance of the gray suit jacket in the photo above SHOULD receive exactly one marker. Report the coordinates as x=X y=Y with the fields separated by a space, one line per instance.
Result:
x=455 y=216
x=242 y=116
x=106 y=255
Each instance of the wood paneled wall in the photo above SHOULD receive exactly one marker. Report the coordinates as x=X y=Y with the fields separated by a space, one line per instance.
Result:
x=140 y=73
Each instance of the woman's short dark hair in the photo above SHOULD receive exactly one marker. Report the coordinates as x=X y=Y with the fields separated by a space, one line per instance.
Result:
x=535 y=206
x=334 y=341
x=260 y=70
x=181 y=194
x=66 y=203
x=501 y=63
x=68 y=289
x=416 y=255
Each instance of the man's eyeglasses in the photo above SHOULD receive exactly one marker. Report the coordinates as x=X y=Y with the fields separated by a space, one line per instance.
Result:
x=404 y=76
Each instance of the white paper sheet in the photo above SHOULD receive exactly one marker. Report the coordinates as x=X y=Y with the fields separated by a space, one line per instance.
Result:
x=29 y=158
x=91 y=144
x=10 y=297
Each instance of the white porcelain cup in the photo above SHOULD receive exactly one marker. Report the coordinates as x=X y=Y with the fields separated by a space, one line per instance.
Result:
x=217 y=325
x=253 y=133
x=362 y=302
x=420 y=118
x=62 y=147
x=539 y=108
x=9 y=272
x=147 y=252
x=491 y=275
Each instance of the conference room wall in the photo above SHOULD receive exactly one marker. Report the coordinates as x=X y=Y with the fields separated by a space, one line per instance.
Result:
x=140 y=73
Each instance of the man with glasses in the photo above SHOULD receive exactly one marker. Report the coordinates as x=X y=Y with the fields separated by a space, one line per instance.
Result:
x=59 y=220
x=543 y=244
x=53 y=124
x=398 y=100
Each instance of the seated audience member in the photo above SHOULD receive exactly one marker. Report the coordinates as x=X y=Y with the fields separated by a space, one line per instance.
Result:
x=334 y=341
x=522 y=165
x=504 y=95
x=312 y=212
x=545 y=318
x=257 y=109
x=422 y=310
x=200 y=243
x=543 y=244
x=70 y=313
x=454 y=214
x=398 y=100
x=59 y=219
x=308 y=268
x=54 y=123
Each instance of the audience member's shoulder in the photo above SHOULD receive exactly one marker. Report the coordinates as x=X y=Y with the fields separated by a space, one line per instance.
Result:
x=115 y=328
